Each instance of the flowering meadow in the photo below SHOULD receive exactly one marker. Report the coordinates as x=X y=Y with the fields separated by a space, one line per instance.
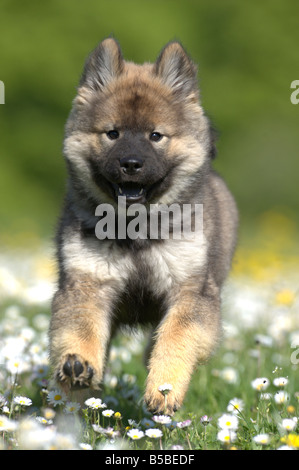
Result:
x=247 y=397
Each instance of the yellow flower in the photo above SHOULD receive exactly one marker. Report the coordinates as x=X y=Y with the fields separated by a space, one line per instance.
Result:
x=49 y=413
x=285 y=297
x=292 y=440
x=291 y=409
x=117 y=415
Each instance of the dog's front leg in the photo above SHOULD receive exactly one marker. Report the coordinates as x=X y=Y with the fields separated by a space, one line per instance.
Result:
x=80 y=332
x=188 y=335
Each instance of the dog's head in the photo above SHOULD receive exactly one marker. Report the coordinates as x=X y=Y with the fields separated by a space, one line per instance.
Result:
x=137 y=130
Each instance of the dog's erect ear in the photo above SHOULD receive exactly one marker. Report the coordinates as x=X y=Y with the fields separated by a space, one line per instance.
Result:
x=177 y=70
x=104 y=63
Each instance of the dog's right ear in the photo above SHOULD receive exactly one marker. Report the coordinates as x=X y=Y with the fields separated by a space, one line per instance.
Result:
x=104 y=63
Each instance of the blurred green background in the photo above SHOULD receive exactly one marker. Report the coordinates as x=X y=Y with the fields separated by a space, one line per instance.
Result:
x=247 y=54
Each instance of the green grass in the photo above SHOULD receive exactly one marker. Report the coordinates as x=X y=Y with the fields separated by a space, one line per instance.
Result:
x=260 y=340
x=240 y=360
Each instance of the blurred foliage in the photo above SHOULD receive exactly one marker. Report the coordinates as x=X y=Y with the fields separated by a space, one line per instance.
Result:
x=247 y=55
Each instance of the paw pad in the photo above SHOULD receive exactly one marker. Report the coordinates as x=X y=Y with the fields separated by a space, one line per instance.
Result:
x=75 y=372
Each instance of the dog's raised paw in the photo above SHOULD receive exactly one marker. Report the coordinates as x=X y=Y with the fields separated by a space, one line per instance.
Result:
x=157 y=404
x=74 y=373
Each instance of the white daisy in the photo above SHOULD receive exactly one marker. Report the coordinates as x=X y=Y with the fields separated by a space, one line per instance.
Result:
x=132 y=422
x=235 y=405
x=85 y=446
x=229 y=375
x=280 y=381
x=288 y=424
x=264 y=340
x=260 y=384
x=7 y=424
x=266 y=396
x=285 y=448
x=147 y=423
x=23 y=401
x=226 y=436
x=153 y=433
x=162 y=419
x=165 y=388
x=33 y=436
x=18 y=365
x=108 y=413
x=42 y=420
x=95 y=403
x=111 y=433
x=56 y=397
x=71 y=407
x=184 y=424
x=98 y=429
x=135 y=434
x=49 y=413
x=40 y=371
x=262 y=439
x=205 y=420
x=281 y=397
x=228 y=421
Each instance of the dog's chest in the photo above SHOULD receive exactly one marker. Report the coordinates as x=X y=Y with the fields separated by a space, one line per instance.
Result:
x=159 y=267
x=172 y=263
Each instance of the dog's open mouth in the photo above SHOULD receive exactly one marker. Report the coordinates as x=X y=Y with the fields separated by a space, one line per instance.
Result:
x=132 y=191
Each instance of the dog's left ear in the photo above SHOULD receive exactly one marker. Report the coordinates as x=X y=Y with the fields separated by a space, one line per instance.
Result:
x=177 y=70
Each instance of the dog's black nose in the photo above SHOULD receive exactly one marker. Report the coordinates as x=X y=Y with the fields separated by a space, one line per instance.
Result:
x=131 y=165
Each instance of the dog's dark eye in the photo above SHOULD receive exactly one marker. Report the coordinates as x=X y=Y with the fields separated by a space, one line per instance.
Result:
x=156 y=136
x=113 y=135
